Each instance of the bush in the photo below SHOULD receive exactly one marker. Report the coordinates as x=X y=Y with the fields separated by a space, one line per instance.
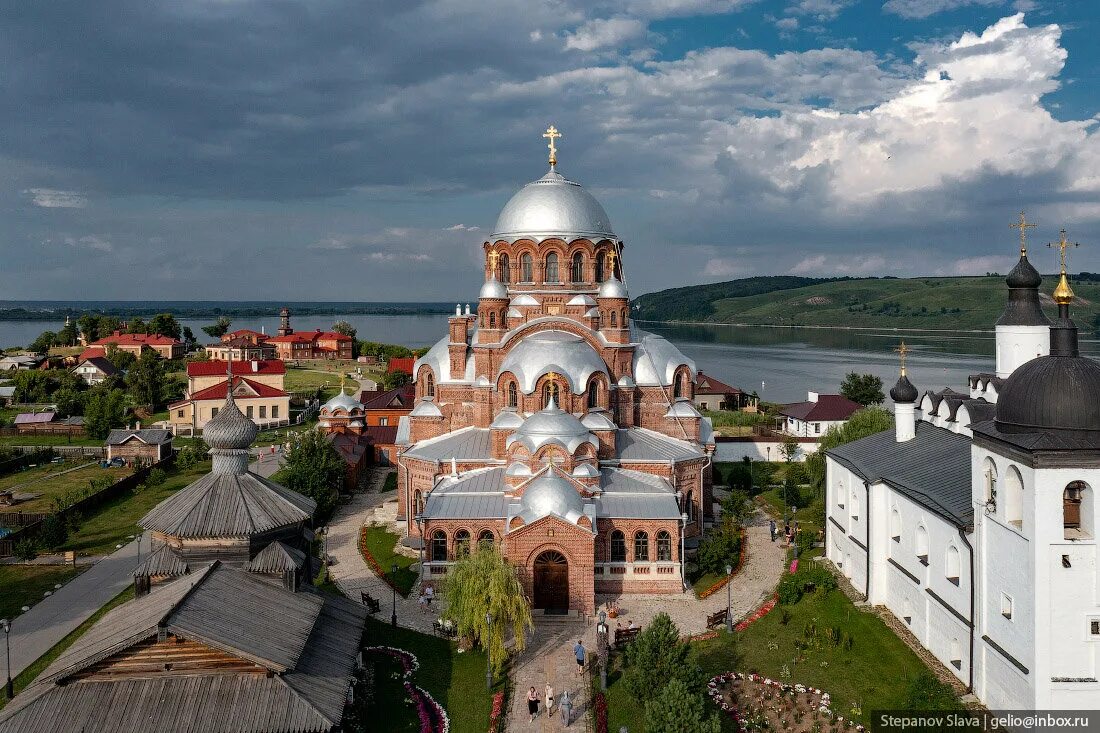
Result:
x=926 y=692
x=721 y=547
x=793 y=586
x=26 y=548
x=54 y=532
x=156 y=477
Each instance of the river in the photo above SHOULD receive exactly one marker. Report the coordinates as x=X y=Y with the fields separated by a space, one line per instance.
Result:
x=781 y=364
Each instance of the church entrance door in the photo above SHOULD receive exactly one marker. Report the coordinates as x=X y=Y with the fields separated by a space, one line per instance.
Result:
x=552 y=582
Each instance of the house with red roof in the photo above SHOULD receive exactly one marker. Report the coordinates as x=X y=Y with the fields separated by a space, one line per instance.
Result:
x=310 y=345
x=810 y=419
x=713 y=394
x=203 y=374
x=136 y=343
x=382 y=408
x=257 y=390
x=401 y=364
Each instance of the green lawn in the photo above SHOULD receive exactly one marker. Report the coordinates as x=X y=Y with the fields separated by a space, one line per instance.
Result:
x=51 y=480
x=456 y=680
x=40 y=664
x=114 y=522
x=23 y=585
x=303 y=380
x=49 y=440
x=390 y=484
x=873 y=674
x=381 y=542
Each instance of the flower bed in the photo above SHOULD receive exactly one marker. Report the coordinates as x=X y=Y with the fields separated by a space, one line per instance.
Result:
x=372 y=563
x=497 y=712
x=433 y=718
x=757 y=703
x=727 y=578
x=601 y=713
x=756 y=615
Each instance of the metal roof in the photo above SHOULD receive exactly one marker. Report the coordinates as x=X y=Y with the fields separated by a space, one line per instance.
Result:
x=472 y=482
x=933 y=468
x=641 y=444
x=637 y=506
x=619 y=480
x=553 y=205
x=465 y=506
x=152 y=436
x=465 y=443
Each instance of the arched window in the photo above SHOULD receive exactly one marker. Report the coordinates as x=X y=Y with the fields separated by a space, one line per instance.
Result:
x=689 y=507
x=439 y=546
x=641 y=546
x=576 y=269
x=513 y=395
x=614 y=320
x=922 y=545
x=551 y=268
x=664 y=546
x=550 y=389
x=492 y=320
x=485 y=537
x=1077 y=510
x=895 y=525
x=1014 y=498
x=418 y=503
x=429 y=385
x=593 y=394
x=952 y=564
x=618 y=546
x=600 y=256
x=677 y=389
x=853 y=505
x=990 y=478
x=527 y=267
x=462 y=543
x=505 y=269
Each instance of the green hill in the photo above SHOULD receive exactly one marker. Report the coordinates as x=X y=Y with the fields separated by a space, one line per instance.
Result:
x=928 y=302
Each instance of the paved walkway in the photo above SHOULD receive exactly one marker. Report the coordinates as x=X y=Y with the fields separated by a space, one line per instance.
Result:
x=268 y=464
x=549 y=658
x=50 y=620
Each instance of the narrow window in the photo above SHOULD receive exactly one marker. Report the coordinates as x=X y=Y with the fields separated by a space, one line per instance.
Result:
x=953 y=564
x=383 y=421
x=895 y=525
x=1006 y=606
x=263 y=412
x=429 y=385
x=439 y=546
x=505 y=269
x=274 y=412
x=593 y=395
x=600 y=276
x=551 y=268
x=664 y=546
x=527 y=268
x=576 y=271
x=618 y=546
x=641 y=546
x=462 y=543
x=513 y=395
x=614 y=320
x=1071 y=505
x=492 y=320
x=418 y=503
x=922 y=545
x=248 y=412
x=677 y=390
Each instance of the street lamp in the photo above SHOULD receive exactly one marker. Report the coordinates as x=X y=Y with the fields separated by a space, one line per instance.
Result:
x=9 y=688
x=393 y=585
x=603 y=647
x=729 y=604
x=683 y=530
x=419 y=519
x=488 y=662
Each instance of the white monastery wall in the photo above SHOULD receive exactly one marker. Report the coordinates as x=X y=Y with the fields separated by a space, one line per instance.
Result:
x=757 y=450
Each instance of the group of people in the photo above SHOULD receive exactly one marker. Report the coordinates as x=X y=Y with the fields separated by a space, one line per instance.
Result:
x=425 y=599
x=790 y=531
x=533 y=702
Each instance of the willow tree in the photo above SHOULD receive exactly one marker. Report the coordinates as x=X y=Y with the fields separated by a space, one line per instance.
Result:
x=482 y=582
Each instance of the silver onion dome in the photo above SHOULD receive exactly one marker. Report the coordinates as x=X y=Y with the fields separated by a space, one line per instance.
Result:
x=553 y=206
x=229 y=429
x=342 y=401
x=613 y=288
x=551 y=494
x=494 y=288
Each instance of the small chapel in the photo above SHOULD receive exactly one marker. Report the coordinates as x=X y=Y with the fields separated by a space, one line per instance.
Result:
x=974 y=520
x=547 y=423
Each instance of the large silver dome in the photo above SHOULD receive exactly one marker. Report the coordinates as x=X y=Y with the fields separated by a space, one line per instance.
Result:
x=551 y=494
x=553 y=206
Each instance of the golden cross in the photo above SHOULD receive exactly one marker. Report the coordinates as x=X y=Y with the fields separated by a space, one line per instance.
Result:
x=494 y=257
x=1023 y=226
x=1061 y=244
x=552 y=377
x=903 y=350
x=552 y=134
x=611 y=257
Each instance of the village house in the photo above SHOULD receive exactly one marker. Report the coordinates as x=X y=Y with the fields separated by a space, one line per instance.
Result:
x=387 y=407
x=311 y=345
x=135 y=343
x=812 y=418
x=16 y=362
x=257 y=386
x=711 y=394
x=95 y=370
x=142 y=446
x=244 y=344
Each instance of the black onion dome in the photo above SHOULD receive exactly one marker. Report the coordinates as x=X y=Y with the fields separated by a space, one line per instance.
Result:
x=1024 y=275
x=904 y=391
x=1052 y=394
x=1023 y=308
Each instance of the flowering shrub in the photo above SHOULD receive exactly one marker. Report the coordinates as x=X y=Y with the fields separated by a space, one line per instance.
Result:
x=755 y=717
x=759 y=613
x=601 y=713
x=498 y=709
x=373 y=564
x=433 y=718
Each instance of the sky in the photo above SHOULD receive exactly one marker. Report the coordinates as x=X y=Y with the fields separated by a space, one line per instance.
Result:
x=342 y=150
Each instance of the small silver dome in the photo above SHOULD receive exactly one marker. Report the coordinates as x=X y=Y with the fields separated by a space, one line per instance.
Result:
x=551 y=494
x=494 y=288
x=342 y=401
x=552 y=425
x=613 y=288
x=229 y=429
x=553 y=206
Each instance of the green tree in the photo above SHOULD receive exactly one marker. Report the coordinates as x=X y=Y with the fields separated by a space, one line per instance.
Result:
x=865 y=422
x=188 y=336
x=104 y=409
x=315 y=469
x=218 y=328
x=719 y=548
x=43 y=343
x=348 y=330
x=31 y=386
x=656 y=657
x=67 y=335
x=136 y=325
x=70 y=401
x=677 y=708
x=95 y=326
x=737 y=506
x=483 y=582
x=866 y=389
x=145 y=379
x=395 y=379
x=165 y=324
x=790 y=449
x=54 y=532
x=121 y=359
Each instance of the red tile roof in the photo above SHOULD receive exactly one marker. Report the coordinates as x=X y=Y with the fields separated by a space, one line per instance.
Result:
x=217 y=367
x=243 y=333
x=303 y=337
x=381 y=434
x=401 y=364
x=393 y=399
x=706 y=384
x=136 y=339
x=828 y=408
x=218 y=391
x=92 y=352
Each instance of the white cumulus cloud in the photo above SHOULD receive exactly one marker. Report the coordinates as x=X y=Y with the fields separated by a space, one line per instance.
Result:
x=605 y=33
x=52 y=198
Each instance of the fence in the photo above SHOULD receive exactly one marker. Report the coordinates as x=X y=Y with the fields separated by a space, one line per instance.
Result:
x=68 y=451
x=47 y=428
x=85 y=505
x=36 y=455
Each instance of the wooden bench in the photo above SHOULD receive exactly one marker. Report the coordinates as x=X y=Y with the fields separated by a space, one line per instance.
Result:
x=372 y=604
x=625 y=636
x=714 y=620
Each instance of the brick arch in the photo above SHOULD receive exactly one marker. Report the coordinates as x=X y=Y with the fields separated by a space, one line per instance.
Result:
x=551 y=323
x=529 y=563
x=422 y=375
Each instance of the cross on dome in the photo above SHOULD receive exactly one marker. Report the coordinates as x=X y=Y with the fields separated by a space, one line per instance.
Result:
x=1023 y=225
x=902 y=350
x=552 y=134
x=1063 y=294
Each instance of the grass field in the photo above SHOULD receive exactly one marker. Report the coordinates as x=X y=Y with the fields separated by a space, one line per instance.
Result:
x=381 y=543
x=28 y=675
x=456 y=681
x=48 y=440
x=873 y=674
x=54 y=480
x=23 y=585
x=114 y=522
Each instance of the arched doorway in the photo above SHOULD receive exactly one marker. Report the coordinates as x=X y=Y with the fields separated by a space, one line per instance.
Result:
x=552 y=582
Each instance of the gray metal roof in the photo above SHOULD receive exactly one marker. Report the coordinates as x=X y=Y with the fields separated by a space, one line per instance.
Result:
x=276 y=558
x=933 y=468
x=619 y=480
x=635 y=495
x=465 y=506
x=246 y=617
x=152 y=436
x=162 y=562
x=471 y=443
x=228 y=505
x=472 y=482
x=640 y=444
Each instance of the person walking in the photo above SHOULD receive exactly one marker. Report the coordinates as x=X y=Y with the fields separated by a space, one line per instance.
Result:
x=771 y=528
x=532 y=703
x=579 y=652
x=549 y=701
x=429 y=594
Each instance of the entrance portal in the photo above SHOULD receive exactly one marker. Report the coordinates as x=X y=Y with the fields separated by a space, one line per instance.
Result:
x=552 y=582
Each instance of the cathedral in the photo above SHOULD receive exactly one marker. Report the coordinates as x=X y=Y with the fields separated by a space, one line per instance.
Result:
x=549 y=424
x=974 y=520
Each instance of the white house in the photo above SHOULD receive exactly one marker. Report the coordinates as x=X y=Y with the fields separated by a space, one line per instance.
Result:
x=975 y=522
x=95 y=370
x=810 y=419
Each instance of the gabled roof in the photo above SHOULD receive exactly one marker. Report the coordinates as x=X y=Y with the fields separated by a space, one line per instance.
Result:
x=381 y=434
x=101 y=363
x=34 y=418
x=92 y=352
x=398 y=398
x=243 y=389
x=162 y=562
x=276 y=558
x=217 y=367
x=244 y=333
x=302 y=337
x=151 y=436
x=401 y=364
x=641 y=444
x=827 y=408
x=706 y=384
x=136 y=339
